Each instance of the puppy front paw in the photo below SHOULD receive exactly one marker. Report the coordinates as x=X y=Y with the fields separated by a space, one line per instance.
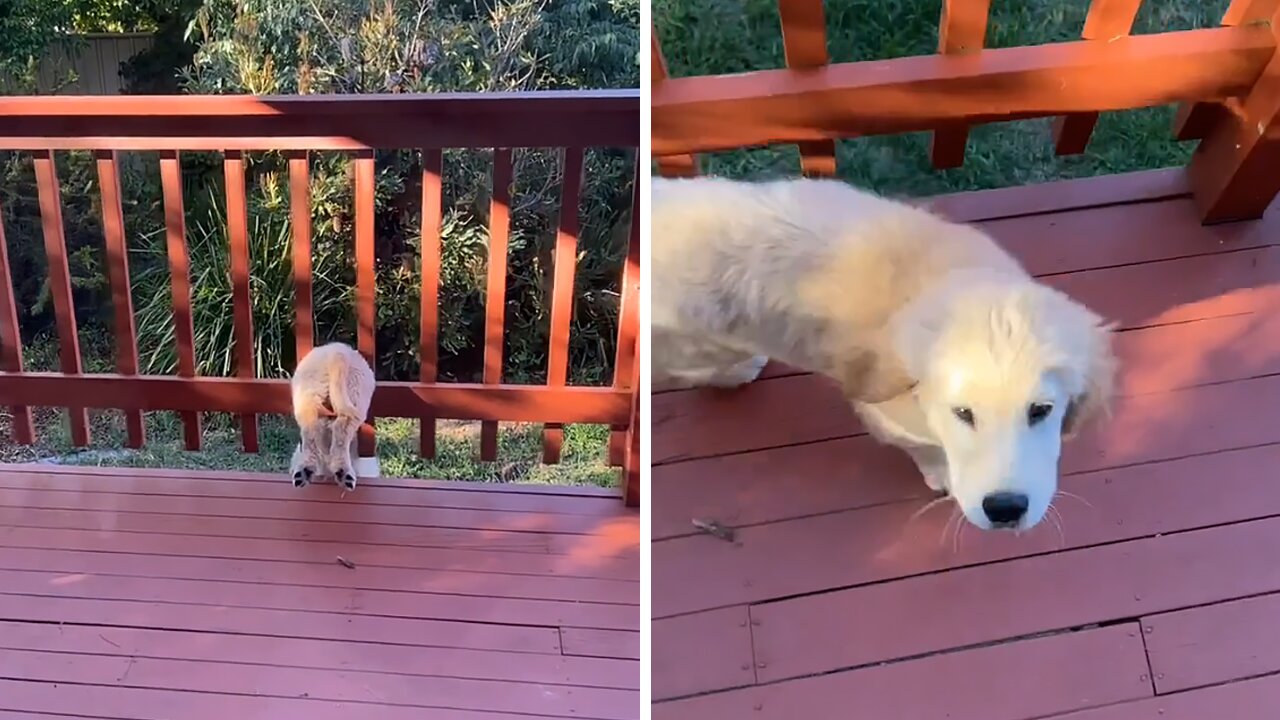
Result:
x=345 y=476
x=302 y=477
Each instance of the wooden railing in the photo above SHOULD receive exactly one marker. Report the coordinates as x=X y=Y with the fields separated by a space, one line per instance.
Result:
x=361 y=125
x=1226 y=78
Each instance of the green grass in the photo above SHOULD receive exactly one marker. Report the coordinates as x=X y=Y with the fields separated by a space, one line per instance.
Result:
x=583 y=458
x=701 y=37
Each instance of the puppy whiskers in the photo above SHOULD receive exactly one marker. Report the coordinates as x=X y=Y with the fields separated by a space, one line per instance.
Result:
x=927 y=507
x=1056 y=518
x=1076 y=497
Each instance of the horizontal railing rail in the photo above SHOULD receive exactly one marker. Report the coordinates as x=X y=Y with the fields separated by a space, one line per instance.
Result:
x=1224 y=78
x=359 y=125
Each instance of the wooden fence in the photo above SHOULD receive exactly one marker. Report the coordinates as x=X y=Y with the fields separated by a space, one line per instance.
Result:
x=361 y=125
x=93 y=60
x=1227 y=80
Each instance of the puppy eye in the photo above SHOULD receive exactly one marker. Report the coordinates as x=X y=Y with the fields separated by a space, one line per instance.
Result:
x=964 y=414
x=1038 y=412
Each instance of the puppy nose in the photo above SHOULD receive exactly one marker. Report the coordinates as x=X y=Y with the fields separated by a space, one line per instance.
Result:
x=1005 y=508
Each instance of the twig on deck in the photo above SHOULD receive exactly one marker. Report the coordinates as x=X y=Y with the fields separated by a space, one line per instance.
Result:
x=711 y=527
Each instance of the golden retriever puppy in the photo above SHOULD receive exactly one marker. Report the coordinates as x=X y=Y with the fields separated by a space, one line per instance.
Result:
x=945 y=345
x=332 y=388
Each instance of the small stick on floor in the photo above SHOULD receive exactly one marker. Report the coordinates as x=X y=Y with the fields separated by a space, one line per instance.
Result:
x=346 y=563
x=711 y=527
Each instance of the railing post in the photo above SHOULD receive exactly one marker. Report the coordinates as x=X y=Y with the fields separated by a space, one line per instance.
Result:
x=1234 y=170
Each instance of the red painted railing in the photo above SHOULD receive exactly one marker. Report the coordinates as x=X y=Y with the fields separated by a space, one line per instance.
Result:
x=1227 y=80
x=360 y=125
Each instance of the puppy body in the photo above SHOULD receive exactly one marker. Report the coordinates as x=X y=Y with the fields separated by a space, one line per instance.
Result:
x=922 y=321
x=331 y=388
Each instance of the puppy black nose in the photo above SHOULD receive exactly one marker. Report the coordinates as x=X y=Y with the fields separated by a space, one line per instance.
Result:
x=1004 y=509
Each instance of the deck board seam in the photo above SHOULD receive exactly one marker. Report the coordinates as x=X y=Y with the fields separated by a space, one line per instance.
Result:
x=477 y=548
x=241 y=633
x=387 y=673
x=353 y=701
x=999 y=561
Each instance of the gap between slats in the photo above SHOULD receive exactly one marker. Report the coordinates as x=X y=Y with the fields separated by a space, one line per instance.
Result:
x=11 y=341
x=180 y=282
x=117 y=255
x=241 y=302
x=55 y=245
x=564 y=265
x=496 y=292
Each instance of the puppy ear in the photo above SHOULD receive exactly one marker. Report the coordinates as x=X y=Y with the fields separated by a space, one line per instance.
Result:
x=871 y=377
x=1099 y=368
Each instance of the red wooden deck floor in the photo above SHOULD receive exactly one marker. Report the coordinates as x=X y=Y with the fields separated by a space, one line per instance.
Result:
x=1160 y=599
x=160 y=595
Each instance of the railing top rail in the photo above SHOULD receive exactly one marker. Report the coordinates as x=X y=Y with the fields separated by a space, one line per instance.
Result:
x=258 y=105
x=580 y=118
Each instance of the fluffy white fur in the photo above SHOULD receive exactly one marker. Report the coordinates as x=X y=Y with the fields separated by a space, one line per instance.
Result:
x=332 y=387
x=925 y=323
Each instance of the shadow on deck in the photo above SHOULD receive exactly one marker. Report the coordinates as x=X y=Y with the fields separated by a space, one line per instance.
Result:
x=1157 y=599
x=161 y=594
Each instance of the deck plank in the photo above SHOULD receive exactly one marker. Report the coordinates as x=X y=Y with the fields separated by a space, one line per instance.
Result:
x=392 y=556
x=702 y=650
x=1214 y=644
x=335 y=684
x=590 y=642
x=465 y=663
x=845 y=628
x=1004 y=682
x=1255 y=699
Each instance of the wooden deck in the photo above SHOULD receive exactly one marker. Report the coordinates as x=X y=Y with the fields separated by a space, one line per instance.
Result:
x=159 y=595
x=1159 y=599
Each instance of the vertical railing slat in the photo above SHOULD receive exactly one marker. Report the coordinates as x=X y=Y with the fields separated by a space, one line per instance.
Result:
x=673 y=165
x=11 y=341
x=564 y=263
x=961 y=29
x=1107 y=19
x=1194 y=120
x=118 y=277
x=241 y=302
x=632 y=462
x=496 y=293
x=627 y=357
x=366 y=282
x=300 y=222
x=429 y=317
x=55 y=246
x=804 y=44
x=180 y=282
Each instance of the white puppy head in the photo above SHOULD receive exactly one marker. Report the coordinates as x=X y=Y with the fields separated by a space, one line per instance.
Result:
x=1006 y=368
